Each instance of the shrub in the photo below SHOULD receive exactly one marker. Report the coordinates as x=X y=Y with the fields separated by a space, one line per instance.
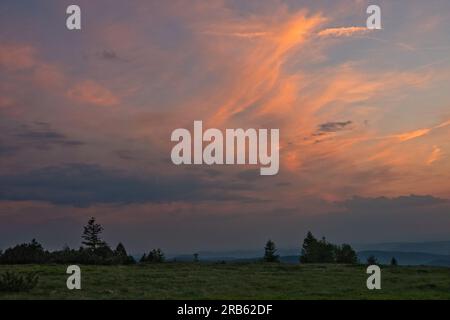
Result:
x=16 y=282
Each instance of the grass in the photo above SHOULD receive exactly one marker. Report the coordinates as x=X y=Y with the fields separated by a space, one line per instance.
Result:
x=234 y=281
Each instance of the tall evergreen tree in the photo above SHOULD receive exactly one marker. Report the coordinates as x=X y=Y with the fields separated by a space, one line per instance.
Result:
x=326 y=252
x=270 y=252
x=91 y=235
x=309 y=249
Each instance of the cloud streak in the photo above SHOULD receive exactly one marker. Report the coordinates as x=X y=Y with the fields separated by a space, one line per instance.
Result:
x=343 y=31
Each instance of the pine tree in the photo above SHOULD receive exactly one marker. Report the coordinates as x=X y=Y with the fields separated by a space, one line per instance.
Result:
x=270 y=252
x=91 y=235
x=394 y=262
x=345 y=254
x=120 y=250
x=154 y=256
x=326 y=252
x=309 y=249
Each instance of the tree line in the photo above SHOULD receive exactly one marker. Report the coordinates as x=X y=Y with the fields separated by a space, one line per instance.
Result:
x=321 y=251
x=96 y=251
x=316 y=251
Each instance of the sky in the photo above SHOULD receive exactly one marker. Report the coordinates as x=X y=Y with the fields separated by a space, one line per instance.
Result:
x=86 y=118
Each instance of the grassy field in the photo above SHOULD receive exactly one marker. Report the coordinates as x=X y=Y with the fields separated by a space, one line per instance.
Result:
x=235 y=281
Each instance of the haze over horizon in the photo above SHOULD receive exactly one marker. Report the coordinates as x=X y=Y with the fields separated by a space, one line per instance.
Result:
x=86 y=118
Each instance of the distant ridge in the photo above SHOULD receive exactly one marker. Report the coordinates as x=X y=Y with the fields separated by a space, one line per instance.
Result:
x=434 y=247
x=433 y=253
x=406 y=258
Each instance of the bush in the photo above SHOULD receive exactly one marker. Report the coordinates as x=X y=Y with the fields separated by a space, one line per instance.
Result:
x=16 y=282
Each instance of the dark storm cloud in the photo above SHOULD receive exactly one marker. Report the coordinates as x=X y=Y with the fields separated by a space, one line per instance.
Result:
x=41 y=136
x=35 y=135
x=84 y=184
x=333 y=126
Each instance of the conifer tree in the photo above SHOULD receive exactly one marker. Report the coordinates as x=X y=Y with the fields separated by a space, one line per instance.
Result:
x=270 y=252
x=91 y=235
x=394 y=262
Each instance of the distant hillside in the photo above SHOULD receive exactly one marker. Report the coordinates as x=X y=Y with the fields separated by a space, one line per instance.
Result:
x=436 y=247
x=406 y=258
x=435 y=253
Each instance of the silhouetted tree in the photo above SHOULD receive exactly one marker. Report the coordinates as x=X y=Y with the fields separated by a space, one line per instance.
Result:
x=120 y=251
x=326 y=251
x=322 y=251
x=154 y=256
x=371 y=260
x=196 y=257
x=270 y=252
x=394 y=262
x=32 y=252
x=316 y=251
x=309 y=249
x=121 y=256
x=345 y=254
x=91 y=235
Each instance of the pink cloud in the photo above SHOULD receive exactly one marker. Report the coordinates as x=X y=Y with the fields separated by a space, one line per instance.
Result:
x=17 y=57
x=93 y=93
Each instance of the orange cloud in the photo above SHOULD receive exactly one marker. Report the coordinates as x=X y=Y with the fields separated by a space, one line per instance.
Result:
x=412 y=134
x=17 y=57
x=418 y=133
x=434 y=156
x=342 y=31
x=93 y=93
x=246 y=35
x=259 y=70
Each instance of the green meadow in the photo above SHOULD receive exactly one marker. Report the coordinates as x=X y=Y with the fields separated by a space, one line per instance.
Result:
x=234 y=281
